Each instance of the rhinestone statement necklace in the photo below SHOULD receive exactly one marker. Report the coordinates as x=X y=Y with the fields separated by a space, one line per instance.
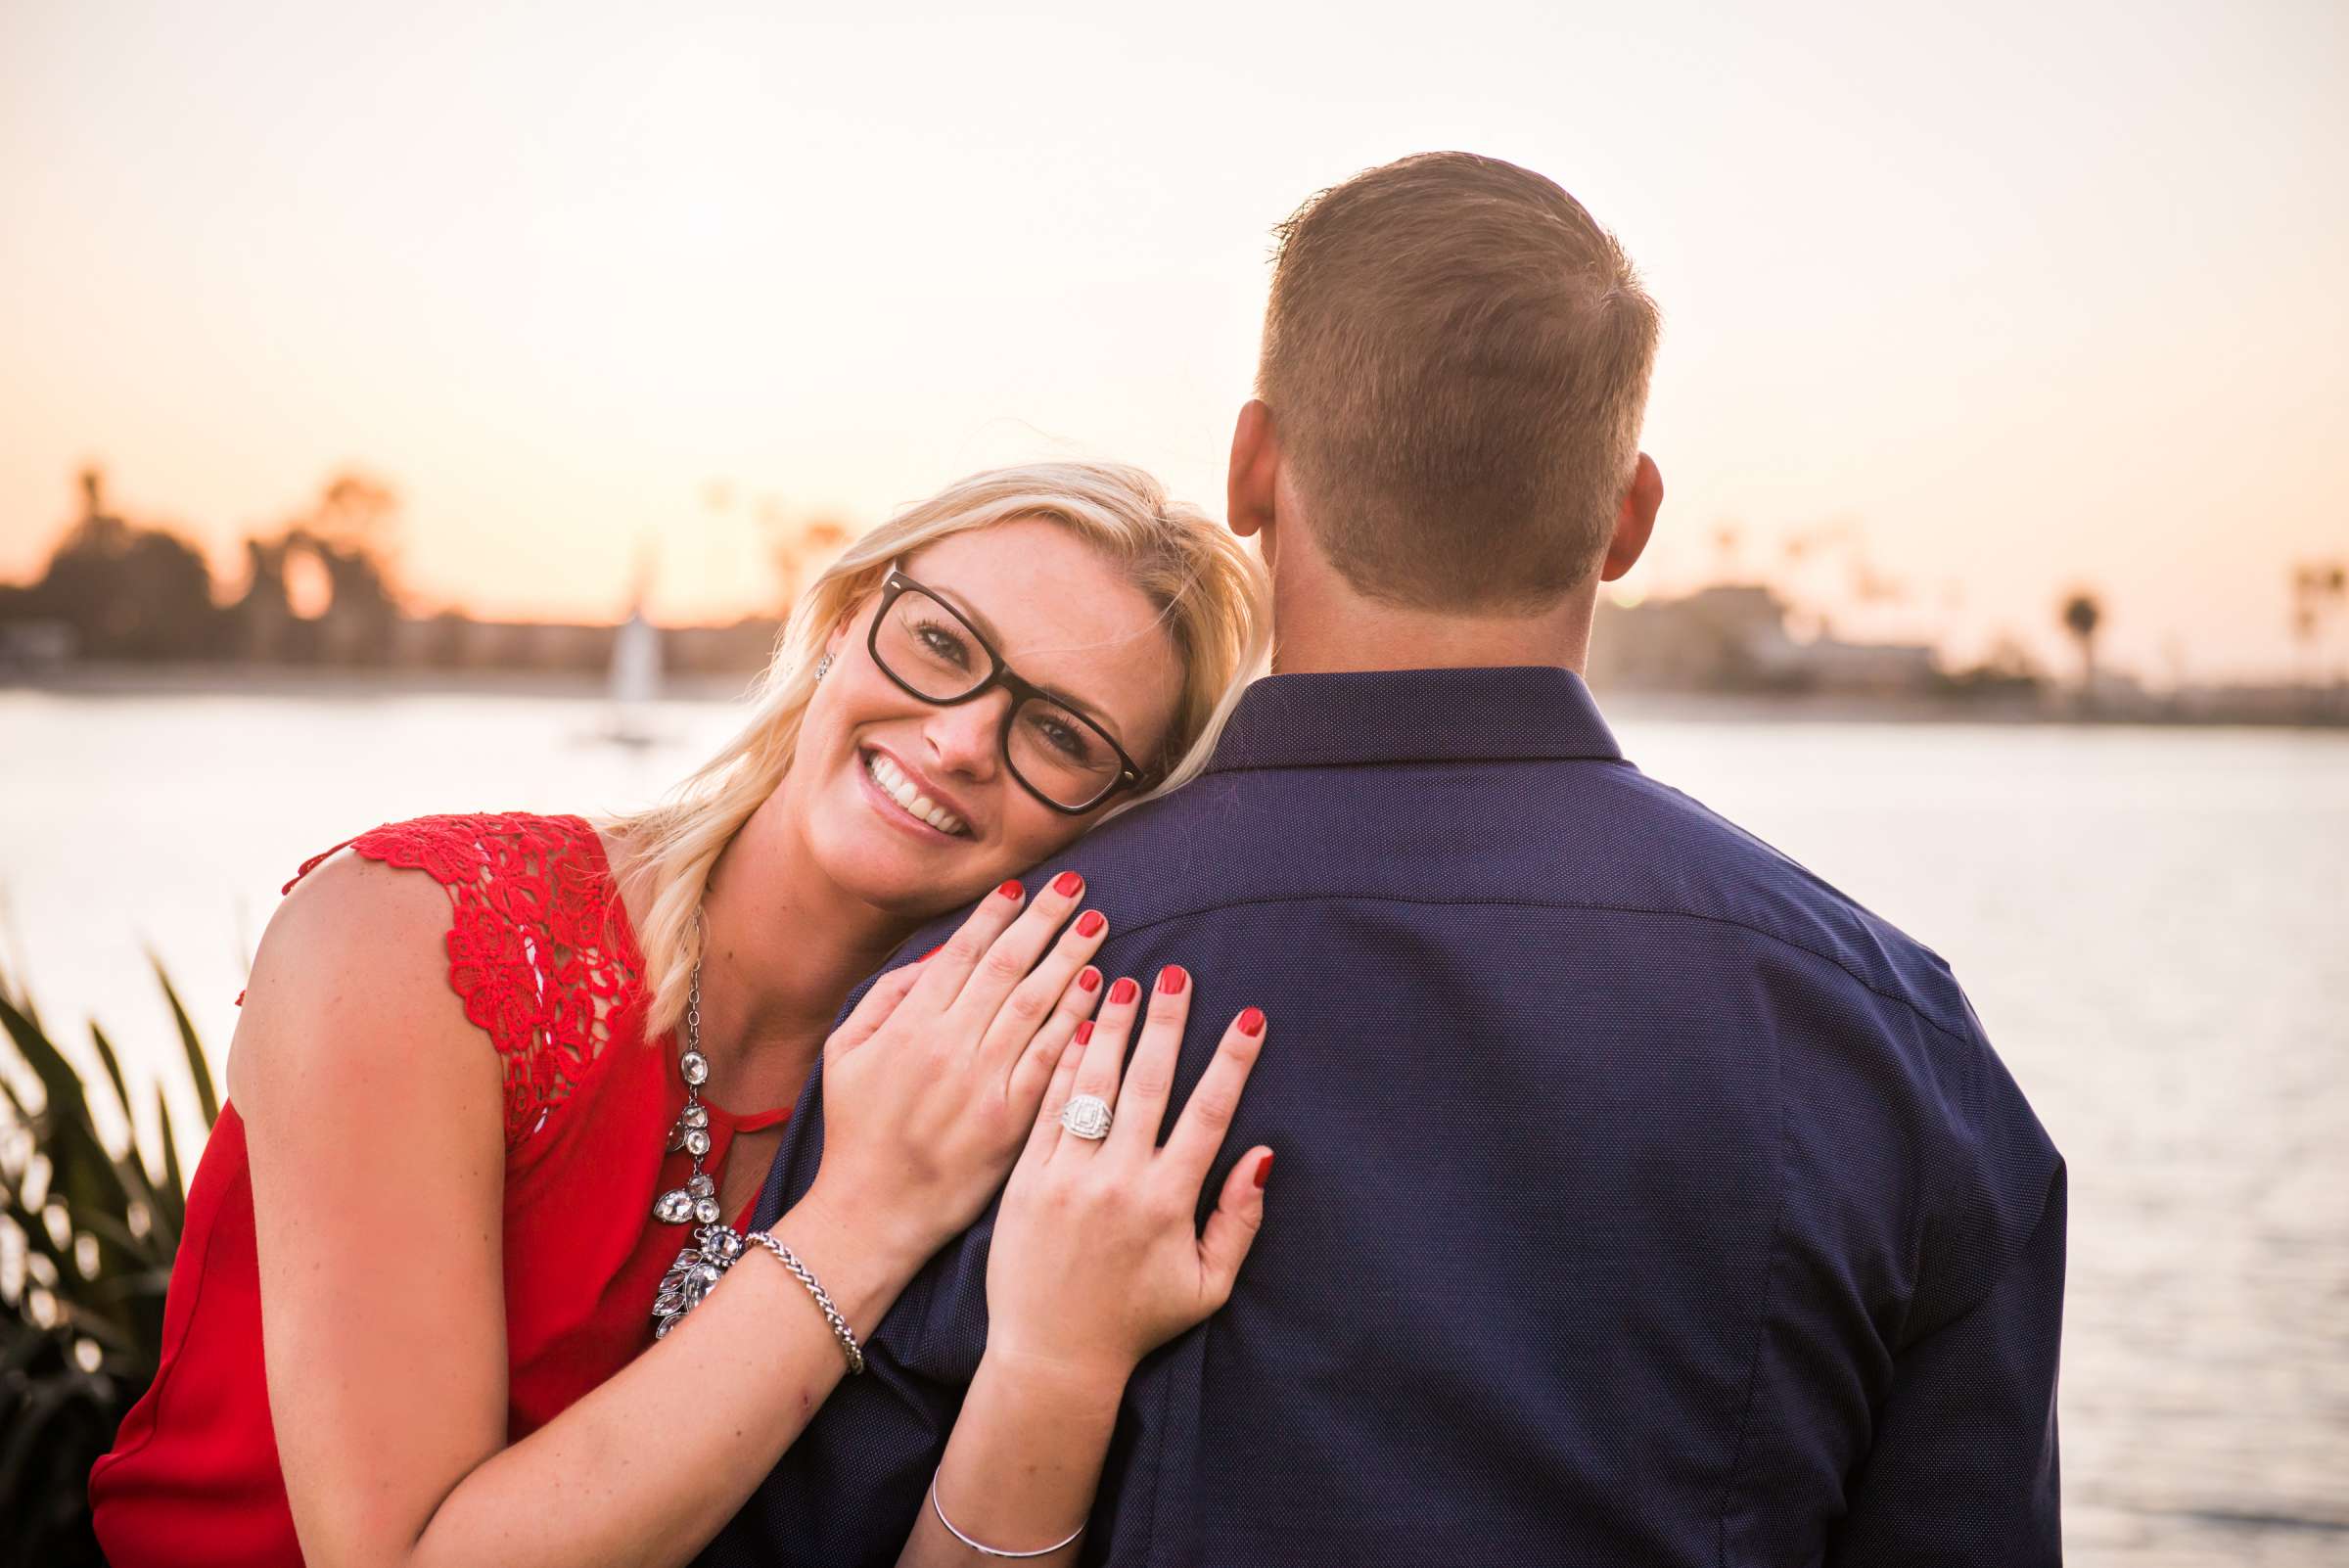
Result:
x=714 y=1244
x=697 y=1199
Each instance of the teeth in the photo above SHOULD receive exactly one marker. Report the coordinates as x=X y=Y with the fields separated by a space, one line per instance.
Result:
x=900 y=789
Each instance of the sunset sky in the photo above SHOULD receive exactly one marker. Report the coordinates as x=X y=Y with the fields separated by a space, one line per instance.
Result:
x=2016 y=297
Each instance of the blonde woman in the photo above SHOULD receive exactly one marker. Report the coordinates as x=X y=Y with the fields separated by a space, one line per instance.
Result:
x=492 y=1090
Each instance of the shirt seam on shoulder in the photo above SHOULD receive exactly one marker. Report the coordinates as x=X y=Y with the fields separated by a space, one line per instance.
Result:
x=1309 y=764
x=1907 y=1003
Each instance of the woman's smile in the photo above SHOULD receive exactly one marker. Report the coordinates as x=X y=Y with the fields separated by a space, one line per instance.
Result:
x=902 y=798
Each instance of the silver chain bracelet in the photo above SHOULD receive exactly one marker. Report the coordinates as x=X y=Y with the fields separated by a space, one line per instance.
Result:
x=718 y=1248
x=840 y=1325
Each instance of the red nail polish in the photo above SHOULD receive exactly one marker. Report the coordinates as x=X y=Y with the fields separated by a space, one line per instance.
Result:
x=1263 y=1169
x=1012 y=890
x=932 y=953
x=1252 y=1021
x=1124 y=991
x=1066 y=883
x=1084 y=1033
x=1088 y=979
x=1090 y=923
x=1172 y=979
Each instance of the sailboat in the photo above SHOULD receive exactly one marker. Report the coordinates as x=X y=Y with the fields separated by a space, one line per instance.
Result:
x=635 y=679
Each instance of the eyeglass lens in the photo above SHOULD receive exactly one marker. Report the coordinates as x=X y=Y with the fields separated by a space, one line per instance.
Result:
x=1054 y=751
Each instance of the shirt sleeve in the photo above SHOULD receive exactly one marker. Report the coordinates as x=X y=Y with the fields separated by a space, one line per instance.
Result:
x=1961 y=1470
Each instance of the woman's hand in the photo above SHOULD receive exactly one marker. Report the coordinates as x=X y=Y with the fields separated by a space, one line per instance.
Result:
x=1098 y=1258
x=934 y=1077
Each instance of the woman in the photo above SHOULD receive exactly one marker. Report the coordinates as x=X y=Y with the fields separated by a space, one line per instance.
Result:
x=449 y=1257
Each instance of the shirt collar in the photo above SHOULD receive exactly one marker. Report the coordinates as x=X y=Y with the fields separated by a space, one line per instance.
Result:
x=1520 y=712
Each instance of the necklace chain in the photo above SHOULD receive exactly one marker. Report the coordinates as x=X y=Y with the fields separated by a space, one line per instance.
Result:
x=715 y=1243
x=718 y=1246
x=697 y=1199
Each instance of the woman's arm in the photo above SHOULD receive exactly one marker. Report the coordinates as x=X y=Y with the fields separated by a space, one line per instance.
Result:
x=1020 y=1470
x=1096 y=1260
x=374 y=1127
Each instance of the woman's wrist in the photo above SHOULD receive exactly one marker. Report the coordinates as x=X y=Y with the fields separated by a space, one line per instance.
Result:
x=862 y=1261
x=1052 y=1385
x=1020 y=1470
x=907 y=1230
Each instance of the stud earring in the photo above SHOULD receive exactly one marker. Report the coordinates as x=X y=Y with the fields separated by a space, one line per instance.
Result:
x=823 y=665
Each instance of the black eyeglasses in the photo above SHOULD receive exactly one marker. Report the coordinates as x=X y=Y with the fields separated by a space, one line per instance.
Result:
x=1058 y=754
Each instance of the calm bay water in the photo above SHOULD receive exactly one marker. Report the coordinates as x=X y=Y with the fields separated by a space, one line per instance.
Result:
x=2153 y=924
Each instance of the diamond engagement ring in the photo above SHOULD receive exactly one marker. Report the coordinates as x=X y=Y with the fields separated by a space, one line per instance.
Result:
x=1087 y=1115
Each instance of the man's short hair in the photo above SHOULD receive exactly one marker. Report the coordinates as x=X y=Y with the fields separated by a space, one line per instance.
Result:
x=1456 y=357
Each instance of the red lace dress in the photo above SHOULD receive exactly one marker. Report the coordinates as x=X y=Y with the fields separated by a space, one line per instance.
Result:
x=541 y=950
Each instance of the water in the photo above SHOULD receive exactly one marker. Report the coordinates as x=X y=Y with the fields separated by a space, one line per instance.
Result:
x=2153 y=925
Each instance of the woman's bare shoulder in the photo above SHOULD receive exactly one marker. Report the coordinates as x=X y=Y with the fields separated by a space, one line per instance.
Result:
x=354 y=966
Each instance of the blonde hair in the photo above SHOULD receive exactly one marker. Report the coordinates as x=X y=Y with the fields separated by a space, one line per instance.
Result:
x=1456 y=356
x=1210 y=593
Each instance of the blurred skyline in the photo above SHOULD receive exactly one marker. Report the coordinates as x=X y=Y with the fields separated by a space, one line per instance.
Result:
x=1985 y=304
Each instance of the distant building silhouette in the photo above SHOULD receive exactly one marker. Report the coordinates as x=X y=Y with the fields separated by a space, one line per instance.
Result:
x=1733 y=638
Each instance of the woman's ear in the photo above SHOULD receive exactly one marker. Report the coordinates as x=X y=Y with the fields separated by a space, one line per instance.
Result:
x=839 y=635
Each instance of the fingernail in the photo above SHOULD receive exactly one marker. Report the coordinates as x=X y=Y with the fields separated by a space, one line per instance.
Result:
x=1089 y=978
x=1066 y=883
x=932 y=953
x=1012 y=890
x=1124 y=991
x=1252 y=1021
x=1090 y=923
x=1263 y=1169
x=1172 y=980
x=1084 y=1033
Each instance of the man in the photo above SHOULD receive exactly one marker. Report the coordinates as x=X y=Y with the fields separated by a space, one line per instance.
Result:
x=1641 y=1198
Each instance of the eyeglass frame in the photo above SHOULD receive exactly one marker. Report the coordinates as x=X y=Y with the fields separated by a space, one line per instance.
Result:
x=894 y=586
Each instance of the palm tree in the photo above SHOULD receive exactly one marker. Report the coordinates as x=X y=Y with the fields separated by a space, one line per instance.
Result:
x=2082 y=614
x=2319 y=589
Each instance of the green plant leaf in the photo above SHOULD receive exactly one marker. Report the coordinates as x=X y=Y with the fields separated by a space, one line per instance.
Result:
x=33 y=1224
x=81 y=1318
x=59 y=1080
x=118 y=1233
x=113 y=1073
x=84 y=1174
x=56 y=1416
x=169 y=1211
x=199 y=1070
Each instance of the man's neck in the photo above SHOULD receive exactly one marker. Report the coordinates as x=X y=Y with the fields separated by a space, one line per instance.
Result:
x=1321 y=625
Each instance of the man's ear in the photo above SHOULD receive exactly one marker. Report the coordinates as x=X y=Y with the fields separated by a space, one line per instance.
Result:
x=1635 y=520
x=1251 y=500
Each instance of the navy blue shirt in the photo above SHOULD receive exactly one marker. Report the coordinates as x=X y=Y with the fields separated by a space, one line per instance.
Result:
x=1639 y=1197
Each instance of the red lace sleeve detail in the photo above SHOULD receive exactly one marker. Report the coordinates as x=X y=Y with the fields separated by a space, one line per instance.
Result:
x=538 y=947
